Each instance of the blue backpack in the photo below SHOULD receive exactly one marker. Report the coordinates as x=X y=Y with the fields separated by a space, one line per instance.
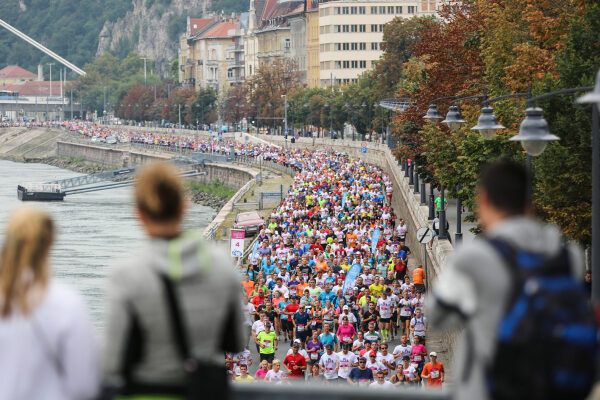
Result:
x=547 y=339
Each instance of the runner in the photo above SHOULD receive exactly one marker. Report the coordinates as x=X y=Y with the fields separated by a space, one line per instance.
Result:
x=243 y=376
x=385 y=305
x=295 y=363
x=267 y=341
x=433 y=371
x=380 y=382
x=348 y=360
x=361 y=375
x=275 y=375
x=329 y=364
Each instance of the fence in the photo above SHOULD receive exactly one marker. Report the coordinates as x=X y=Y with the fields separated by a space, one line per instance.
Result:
x=254 y=162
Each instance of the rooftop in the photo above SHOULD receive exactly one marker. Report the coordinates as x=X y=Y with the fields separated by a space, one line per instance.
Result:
x=34 y=88
x=14 y=71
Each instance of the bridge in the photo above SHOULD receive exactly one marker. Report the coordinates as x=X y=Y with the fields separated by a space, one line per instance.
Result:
x=58 y=189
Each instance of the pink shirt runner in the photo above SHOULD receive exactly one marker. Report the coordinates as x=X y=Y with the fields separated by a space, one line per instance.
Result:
x=346 y=333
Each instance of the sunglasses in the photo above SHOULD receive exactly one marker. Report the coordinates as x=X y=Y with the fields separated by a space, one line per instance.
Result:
x=362 y=362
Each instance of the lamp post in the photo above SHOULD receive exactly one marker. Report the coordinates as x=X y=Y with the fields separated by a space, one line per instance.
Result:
x=594 y=98
x=285 y=106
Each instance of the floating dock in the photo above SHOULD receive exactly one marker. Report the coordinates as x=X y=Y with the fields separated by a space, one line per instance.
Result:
x=40 y=192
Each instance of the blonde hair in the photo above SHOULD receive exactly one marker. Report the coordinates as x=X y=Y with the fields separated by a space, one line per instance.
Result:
x=159 y=192
x=24 y=258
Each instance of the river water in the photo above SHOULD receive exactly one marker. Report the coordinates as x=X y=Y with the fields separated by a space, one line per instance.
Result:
x=93 y=229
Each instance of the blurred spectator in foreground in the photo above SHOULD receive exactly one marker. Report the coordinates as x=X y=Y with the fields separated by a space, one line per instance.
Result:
x=517 y=290
x=46 y=336
x=175 y=273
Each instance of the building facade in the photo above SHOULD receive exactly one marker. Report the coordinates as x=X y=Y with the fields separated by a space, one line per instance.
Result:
x=313 y=78
x=351 y=32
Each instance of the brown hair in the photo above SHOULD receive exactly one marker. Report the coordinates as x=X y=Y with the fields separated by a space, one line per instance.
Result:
x=24 y=257
x=159 y=192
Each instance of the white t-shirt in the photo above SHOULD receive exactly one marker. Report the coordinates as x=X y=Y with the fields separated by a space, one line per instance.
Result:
x=328 y=362
x=409 y=372
x=390 y=360
x=244 y=357
x=403 y=350
x=347 y=362
x=384 y=385
x=248 y=309
x=405 y=310
x=419 y=325
x=385 y=307
x=258 y=327
x=273 y=376
x=375 y=366
x=351 y=318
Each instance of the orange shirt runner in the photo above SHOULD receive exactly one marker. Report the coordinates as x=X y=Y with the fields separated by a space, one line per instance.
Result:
x=434 y=371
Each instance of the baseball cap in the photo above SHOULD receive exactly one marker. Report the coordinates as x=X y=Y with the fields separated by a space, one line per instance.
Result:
x=268 y=324
x=260 y=291
x=372 y=354
x=433 y=354
x=297 y=341
x=329 y=346
x=362 y=358
x=345 y=308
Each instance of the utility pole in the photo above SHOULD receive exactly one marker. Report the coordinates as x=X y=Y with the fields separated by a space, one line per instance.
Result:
x=50 y=95
x=180 y=151
x=145 y=58
x=71 y=102
x=104 y=106
x=285 y=115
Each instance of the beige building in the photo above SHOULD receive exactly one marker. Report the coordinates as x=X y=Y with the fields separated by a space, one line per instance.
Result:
x=313 y=78
x=350 y=34
x=211 y=53
x=15 y=74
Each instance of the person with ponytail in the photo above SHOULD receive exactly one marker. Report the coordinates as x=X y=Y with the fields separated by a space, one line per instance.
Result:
x=47 y=341
x=174 y=273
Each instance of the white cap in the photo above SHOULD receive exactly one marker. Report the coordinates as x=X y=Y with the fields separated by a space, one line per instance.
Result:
x=433 y=354
x=299 y=341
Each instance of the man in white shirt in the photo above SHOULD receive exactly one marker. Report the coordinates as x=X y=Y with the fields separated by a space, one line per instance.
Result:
x=380 y=382
x=403 y=349
x=348 y=360
x=387 y=360
x=329 y=364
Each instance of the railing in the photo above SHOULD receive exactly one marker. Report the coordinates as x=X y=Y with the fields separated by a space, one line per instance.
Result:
x=263 y=391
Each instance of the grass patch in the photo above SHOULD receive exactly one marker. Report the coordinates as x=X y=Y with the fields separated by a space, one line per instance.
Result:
x=216 y=188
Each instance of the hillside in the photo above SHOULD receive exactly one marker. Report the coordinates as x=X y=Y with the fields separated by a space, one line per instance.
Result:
x=80 y=30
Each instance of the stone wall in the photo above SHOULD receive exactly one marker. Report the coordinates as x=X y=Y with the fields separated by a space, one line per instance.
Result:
x=232 y=176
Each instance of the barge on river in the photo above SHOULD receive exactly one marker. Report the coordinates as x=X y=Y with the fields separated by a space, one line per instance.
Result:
x=40 y=192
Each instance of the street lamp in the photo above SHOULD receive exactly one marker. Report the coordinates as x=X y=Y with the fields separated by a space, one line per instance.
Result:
x=487 y=124
x=433 y=113
x=330 y=120
x=453 y=119
x=533 y=133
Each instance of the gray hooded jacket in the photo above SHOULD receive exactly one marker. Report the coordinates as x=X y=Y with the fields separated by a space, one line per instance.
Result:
x=209 y=293
x=476 y=283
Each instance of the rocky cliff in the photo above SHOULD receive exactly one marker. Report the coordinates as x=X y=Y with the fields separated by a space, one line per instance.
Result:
x=152 y=28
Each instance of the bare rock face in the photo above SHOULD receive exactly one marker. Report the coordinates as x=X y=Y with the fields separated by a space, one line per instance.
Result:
x=147 y=28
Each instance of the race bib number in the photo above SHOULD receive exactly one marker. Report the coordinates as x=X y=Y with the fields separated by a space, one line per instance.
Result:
x=418 y=357
x=314 y=356
x=435 y=374
x=267 y=343
x=329 y=372
x=344 y=370
x=300 y=328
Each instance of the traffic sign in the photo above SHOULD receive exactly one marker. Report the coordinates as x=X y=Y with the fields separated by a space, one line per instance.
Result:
x=363 y=144
x=424 y=235
x=237 y=242
x=363 y=150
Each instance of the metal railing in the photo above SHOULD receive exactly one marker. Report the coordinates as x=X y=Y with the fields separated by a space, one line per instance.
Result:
x=258 y=391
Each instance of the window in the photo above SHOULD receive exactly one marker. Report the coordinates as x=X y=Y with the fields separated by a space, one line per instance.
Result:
x=398 y=9
x=373 y=9
x=345 y=46
x=390 y=9
x=354 y=28
x=230 y=72
x=354 y=64
x=250 y=69
x=336 y=10
x=380 y=27
x=381 y=9
x=363 y=46
x=345 y=28
x=374 y=28
x=337 y=46
x=353 y=10
x=347 y=81
x=337 y=28
x=363 y=64
x=346 y=64
x=345 y=10
x=354 y=80
x=362 y=28
x=323 y=12
x=338 y=64
x=354 y=46
x=411 y=9
x=374 y=46
x=362 y=10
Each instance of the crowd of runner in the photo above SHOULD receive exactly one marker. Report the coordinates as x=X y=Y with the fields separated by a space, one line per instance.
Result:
x=336 y=221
